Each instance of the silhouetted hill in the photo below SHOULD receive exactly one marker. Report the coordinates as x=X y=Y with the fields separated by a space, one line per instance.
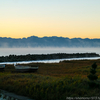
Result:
x=53 y=41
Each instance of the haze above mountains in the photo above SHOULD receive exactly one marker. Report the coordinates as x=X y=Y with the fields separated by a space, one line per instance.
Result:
x=53 y=41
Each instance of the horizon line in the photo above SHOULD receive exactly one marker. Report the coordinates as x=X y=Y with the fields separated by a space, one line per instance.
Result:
x=48 y=36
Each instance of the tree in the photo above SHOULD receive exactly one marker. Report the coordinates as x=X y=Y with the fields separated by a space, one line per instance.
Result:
x=92 y=76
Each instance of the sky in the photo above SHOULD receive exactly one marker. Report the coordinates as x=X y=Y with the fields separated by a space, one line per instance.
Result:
x=62 y=18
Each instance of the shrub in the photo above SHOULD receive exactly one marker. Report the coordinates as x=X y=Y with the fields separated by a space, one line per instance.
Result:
x=92 y=76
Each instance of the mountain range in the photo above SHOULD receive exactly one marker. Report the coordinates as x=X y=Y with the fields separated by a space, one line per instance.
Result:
x=54 y=41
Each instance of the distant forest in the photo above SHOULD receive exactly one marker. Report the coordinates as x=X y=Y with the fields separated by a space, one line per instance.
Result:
x=53 y=41
x=29 y=57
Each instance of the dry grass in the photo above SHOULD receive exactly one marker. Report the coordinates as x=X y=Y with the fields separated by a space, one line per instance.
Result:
x=52 y=81
x=70 y=68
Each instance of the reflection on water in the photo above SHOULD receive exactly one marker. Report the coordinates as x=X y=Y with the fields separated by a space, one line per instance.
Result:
x=51 y=61
x=24 y=51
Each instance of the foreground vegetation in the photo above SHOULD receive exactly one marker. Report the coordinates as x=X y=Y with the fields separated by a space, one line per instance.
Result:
x=52 y=81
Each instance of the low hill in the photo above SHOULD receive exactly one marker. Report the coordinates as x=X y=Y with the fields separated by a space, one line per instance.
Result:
x=53 y=41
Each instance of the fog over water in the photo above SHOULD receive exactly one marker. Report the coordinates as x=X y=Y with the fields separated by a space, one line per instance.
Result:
x=24 y=51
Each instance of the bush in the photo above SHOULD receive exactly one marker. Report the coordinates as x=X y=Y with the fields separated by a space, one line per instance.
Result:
x=92 y=76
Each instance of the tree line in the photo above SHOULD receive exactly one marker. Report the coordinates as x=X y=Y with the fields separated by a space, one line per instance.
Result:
x=29 y=57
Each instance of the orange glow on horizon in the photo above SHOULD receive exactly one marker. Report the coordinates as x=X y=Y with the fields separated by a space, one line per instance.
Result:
x=25 y=28
x=66 y=18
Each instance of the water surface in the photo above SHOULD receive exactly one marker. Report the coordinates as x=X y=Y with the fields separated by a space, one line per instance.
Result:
x=24 y=51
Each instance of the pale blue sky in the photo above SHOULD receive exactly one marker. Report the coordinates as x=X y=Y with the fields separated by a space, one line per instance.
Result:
x=67 y=18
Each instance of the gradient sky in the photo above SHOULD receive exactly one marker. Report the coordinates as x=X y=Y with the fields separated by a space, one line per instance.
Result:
x=66 y=18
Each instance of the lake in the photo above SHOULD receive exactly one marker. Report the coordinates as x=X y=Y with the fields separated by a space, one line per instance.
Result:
x=24 y=51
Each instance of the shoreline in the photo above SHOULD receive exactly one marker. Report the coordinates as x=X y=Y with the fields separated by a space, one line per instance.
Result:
x=51 y=61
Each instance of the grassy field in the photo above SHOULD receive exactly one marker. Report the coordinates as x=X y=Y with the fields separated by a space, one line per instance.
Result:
x=52 y=81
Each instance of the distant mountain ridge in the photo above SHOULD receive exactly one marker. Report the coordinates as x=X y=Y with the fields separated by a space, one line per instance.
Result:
x=53 y=41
